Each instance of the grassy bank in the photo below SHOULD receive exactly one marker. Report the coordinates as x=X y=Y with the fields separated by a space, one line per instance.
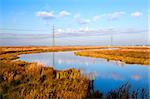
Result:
x=20 y=79
x=130 y=55
x=30 y=80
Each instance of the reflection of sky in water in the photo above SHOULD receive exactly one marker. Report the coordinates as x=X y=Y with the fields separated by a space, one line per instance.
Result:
x=109 y=75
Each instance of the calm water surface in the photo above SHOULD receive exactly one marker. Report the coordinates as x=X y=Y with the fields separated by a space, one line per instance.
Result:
x=109 y=75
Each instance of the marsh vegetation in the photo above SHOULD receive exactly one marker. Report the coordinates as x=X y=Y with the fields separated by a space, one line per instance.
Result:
x=33 y=80
x=133 y=55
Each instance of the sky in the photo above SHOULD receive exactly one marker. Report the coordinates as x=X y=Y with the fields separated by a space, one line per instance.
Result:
x=90 y=22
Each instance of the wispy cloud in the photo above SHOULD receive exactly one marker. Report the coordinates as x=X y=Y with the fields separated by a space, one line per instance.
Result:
x=86 y=31
x=64 y=13
x=116 y=76
x=115 y=15
x=51 y=15
x=45 y=14
x=96 y=18
x=81 y=21
x=136 y=14
x=110 y=16
x=84 y=21
x=136 y=77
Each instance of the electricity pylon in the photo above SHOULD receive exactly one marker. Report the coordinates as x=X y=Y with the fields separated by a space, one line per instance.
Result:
x=53 y=38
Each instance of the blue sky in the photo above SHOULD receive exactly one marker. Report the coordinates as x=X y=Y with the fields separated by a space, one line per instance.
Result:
x=71 y=17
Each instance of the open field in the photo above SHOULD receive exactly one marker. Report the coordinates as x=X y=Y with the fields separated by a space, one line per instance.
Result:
x=32 y=80
x=130 y=55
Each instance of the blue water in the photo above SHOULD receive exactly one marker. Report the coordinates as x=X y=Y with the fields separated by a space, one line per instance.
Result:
x=109 y=74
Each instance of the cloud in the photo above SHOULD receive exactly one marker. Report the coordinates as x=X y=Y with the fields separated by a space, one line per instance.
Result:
x=77 y=16
x=64 y=13
x=136 y=14
x=135 y=30
x=84 y=21
x=86 y=31
x=59 y=30
x=115 y=15
x=80 y=20
x=136 y=77
x=51 y=15
x=109 y=16
x=95 y=18
x=116 y=76
x=45 y=14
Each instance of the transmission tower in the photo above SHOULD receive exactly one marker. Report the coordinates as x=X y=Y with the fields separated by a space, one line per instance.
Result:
x=53 y=37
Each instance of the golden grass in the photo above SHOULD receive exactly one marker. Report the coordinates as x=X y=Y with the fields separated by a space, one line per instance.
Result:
x=139 y=55
x=29 y=80
x=20 y=79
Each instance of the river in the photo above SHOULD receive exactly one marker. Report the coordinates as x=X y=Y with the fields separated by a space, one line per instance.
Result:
x=109 y=74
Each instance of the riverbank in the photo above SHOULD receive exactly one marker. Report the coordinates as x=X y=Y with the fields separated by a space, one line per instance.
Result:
x=22 y=79
x=129 y=55
x=32 y=80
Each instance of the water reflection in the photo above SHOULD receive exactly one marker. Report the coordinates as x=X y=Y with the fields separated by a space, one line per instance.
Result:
x=116 y=76
x=118 y=63
x=53 y=58
x=136 y=77
x=108 y=74
x=122 y=92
